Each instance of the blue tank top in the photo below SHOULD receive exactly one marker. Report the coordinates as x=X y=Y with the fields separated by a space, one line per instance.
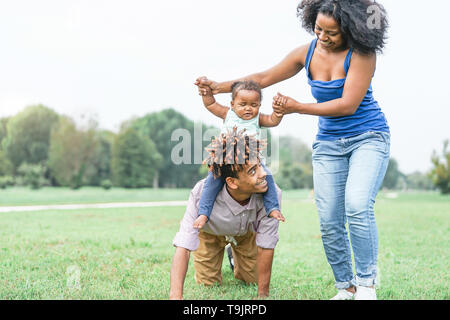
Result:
x=368 y=116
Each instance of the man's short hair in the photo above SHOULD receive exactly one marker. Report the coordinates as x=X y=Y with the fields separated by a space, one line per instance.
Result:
x=229 y=152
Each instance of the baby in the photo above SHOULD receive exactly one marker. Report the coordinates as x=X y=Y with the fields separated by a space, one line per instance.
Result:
x=244 y=114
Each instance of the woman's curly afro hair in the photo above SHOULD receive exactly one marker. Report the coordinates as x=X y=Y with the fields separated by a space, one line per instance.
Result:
x=363 y=22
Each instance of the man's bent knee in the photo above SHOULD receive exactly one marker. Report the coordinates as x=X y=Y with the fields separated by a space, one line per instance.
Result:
x=207 y=280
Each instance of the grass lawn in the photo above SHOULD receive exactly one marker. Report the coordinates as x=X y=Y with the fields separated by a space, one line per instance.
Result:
x=24 y=196
x=126 y=253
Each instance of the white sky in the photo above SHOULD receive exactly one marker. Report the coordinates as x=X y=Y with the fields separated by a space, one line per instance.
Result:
x=119 y=59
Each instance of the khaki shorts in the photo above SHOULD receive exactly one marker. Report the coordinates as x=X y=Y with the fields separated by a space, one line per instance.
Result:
x=208 y=258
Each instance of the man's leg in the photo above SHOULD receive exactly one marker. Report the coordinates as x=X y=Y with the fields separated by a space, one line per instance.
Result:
x=245 y=254
x=208 y=259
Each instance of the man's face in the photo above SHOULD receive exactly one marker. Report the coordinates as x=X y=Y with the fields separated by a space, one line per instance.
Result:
x=252 y=179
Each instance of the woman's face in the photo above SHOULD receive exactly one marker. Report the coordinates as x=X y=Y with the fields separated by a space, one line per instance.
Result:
x=328 y=32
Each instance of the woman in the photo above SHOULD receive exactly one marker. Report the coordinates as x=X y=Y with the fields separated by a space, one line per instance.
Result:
x=351 y=151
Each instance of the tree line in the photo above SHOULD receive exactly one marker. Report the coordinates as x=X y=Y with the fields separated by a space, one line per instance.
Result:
x=39 y=147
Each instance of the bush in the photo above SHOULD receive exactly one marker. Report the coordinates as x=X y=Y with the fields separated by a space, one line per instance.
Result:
x=106 y=184
x=440 y=174
x=6 y=181
x=3 y=183
x=294 y=176
x=6 y=168
x=33 y=175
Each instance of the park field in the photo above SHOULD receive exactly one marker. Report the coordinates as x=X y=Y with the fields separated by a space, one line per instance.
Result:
x=126 y=253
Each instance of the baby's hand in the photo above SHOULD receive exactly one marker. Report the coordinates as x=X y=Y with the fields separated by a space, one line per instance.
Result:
x=203 y=85
x=204 y=82
x=284 y=104
x=205 y=91
x=200 y=221
x=277 y=215
x=278 y=102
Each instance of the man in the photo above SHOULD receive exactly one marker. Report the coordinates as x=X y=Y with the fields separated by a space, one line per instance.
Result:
x=238 y=217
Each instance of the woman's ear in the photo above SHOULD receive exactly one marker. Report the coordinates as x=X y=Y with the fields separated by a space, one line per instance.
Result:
x=231 y=183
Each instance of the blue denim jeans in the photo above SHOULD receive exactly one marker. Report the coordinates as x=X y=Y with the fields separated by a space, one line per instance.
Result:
x=212 y=186
x=348 y=173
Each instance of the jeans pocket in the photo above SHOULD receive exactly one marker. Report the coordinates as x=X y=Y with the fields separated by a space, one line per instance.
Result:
x=387 y=139
x=383 y=137
x=386 y=136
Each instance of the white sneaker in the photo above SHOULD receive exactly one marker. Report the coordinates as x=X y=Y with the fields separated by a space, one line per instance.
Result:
x=343 y=295
x=365 y=293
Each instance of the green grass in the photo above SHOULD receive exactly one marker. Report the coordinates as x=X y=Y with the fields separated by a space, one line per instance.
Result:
x=127 y=253
x=22 y=196
x=48 y=195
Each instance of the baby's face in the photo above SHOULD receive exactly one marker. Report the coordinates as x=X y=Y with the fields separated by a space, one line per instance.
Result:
x=246 y=104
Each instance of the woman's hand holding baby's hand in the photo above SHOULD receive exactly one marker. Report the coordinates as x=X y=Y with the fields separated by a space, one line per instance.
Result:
x=276 y=104
x=283 y=104
x=206 y=86
x=205 y=91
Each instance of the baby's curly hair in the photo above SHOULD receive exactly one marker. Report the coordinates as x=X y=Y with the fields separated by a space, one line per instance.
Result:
x=353 y=17
x=245 y=85
x=229 y=152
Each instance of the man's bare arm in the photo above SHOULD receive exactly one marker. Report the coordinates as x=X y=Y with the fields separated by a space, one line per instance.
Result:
x=264 y=264
x=178 y=273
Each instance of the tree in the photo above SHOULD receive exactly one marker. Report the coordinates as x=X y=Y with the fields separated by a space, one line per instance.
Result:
x=289 y=175
x=440 y=174
x=100 y=170
x=294 y=150
x=71 y=153
x=3 y=129
x=295 y=169
x=419 y=181
x=135 y=159
x=159 y=127
x=28 y=135
x=33 y=175
x=392 y=175
x=6 y=167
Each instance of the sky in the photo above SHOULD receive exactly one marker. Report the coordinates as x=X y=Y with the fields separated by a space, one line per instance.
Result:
x=114 y=60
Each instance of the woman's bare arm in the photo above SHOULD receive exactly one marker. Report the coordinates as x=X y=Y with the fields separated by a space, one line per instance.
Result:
x=287 y=68
x=356 y=85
